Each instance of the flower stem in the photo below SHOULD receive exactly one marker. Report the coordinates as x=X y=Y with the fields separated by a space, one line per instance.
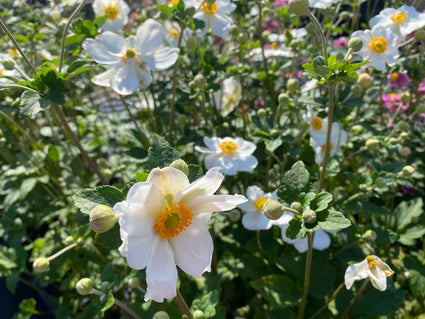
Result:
x=126 y=308
x=306 y=275
x=328 y=302
x=77 y=143
x=320 y=33
x=182 y=305
x=60 y=252
x=353 y=300
x=65 y=31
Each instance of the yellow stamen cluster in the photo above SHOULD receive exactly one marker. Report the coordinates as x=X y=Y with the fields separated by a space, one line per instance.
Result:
x=12 y=52
x=317 y=124
x=129 y=54
x=394 y=76
x=324 y=147
x=173 y=2
x=371 y=262
x=172 y=221
x=274 y=46
x=209 y=8
x=228 y=147
x=398 y=17
x=174 y=33
x=379 y=44
x=259 y=203
x=111 y=13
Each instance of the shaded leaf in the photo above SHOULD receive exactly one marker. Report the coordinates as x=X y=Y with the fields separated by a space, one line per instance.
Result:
x=89 y=198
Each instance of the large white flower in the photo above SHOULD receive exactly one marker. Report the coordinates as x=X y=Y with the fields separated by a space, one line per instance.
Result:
x=401 y=21
x=372 y=267
x=231 y=155
x=253 y=218
x=116 y=11
x=229 y=96
x=379 y=46
x=172 y=33
x=322 y=4
x=131 y=60
x=317 y=126
x=321 y=239
x=215 y=16
x=318 y=142
x=164 y=223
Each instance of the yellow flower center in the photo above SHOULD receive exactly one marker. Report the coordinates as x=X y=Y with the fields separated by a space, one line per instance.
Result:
x=228 y=147
x=394 y=76
x=392 y=95
x=398 y=17
x=210 y=8
x=111 y=12
x=174 y=33
x=317 y=124
x=274 y=46
x=324 y=147
x=259 y=203
x=371 y=262
x=12 y=52
x=173 y=2
x=1 y=71
x=130 y=53
x=173 y=221
x=379 y=44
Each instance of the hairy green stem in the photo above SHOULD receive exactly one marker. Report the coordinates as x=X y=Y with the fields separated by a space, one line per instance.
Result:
x=120 y=304
x=306 y=275
x=60 y=252
x=353 y=300
x=328 y=302
x=182 y=305
x=319 y=32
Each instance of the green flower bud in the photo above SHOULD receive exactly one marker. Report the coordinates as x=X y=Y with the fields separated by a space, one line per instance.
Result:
x=199 y=81
x=370 y=235
x=265 y=34
x=404 y=151
x=192 y=43
x=262 y=113
x=309 y=216
x=161 y=315
x=356 y=89
x=392 y=140
x=403 y=126
x=41 y=264
x=408 y=171
x=234 y=30
x=293 y=85
x=9 y=64
x=298 y=7
x=102 y=218
x=242 y=38
x=420 y=108
x=134 y=282
x=355 y=44
x=181 y=166
x=403 y=135
x=283 y=99
x=319 y=60
x=107 y=173
x=420 y=35
x=357 y=128
x=380 y=182
x=344 y=15
x=372 y=144
x=272 y=209
x=405 y=97
x=84 y=286
x=364 y=80
x=234 y=215
x=320 y=65
x=297 y=206
x=274 y=133
x=198 y=314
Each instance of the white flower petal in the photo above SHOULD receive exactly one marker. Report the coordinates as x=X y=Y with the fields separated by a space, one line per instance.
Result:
x=169 y=181
x=256 y=220
x=125 y=81
x=220 y=25
x=112 y=42
x=246 y=163
x=149 y=36
x=355 y=272
x=321 y=240
x=215 y=203
x=99 y=53
x=193 y=250
x=137 y=250
x=377 y=278
x=105 y=78
x=161 y=59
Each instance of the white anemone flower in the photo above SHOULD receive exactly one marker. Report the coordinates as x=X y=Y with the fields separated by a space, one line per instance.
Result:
x=372 y=267
x=298 y=34
x=401 y=21
x=116 y=11
x=163 y=223
x=229 y=96
x=321 y=239
x=318 y=142
x=131 y=60
x=322 y=4
x=272 y=50
x=172 y=34
x=317 y=125
x=231 y=155
x=253 y=218
x=379 y=46
x=214 y=15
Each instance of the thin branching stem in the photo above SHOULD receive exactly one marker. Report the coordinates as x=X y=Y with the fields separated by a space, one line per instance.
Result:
x=182 y=305
x=307 y=274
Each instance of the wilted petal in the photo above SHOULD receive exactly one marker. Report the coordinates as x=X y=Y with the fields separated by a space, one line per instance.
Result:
x=378 y=278
x=355 y=272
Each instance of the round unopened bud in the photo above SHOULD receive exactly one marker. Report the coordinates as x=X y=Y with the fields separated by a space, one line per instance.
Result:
x=293 y=85
x=319 y=60
x=41 y=265
x=364 y=80
x=355 y=44
x=234 y=30
x=274 y=133
x=297 y=206
x=298 y=7
x=294 y=43
x=102 y=218
x=309 y=216
x=198 y=314
x=392 y=140
x=420 y=35
x=161 y=315
x=356 y=89
x=408 y=170
x=403 y=126
x=9 y=64
x=272 y=209
x=181 y=166
x=403 y=135
x=283 y=99
x=199 y=81
x=134 y=282
x=372 y=144
x=192 y=43
x=234 y=215
x=357 y=128
x=380 y=182
x=265 y=34
x=420 y=109
x=404 y=151
x=242 y=38
x=344 y=15
x=405 y=97
x=370 y=235
x=84 y=286
x=262 y=113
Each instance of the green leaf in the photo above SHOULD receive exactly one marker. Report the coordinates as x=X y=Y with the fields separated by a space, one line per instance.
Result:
x=272 y=145
x=297 y=177
x=307 y=199
x=365 y=208
x=141 y=177
x=294 y=229
x=195 y=172
x=207 y=304
x=407 y=211
x=89 y=198
x=28 y=306
x=411 y=235
x=6 y=262
x=321 y=201
x=109 y=240
x=12 y=281
x=32 y=103
x=74 y=39
x=109 y=301
x=333 y=220
x=161 y=154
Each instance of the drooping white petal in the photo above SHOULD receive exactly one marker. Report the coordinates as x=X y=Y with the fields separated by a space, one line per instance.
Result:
x=355 y=272
x=161 y=272
x=105 y=78
x=99 y=53
x=125 y=81
x=169 y=181
x=215 y=203
x=225 y=7
x=137 y=250
x=377 y=278
x=161 y=59
x=193 y=250
x=149 y=36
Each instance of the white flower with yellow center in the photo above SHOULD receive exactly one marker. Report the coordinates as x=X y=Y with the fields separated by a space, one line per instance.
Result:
x=172 y=34
x=318 y=142
x=253 y=218
x=164 y=222
x=231 y=155
x=116 y=12
x=317 y=125
x=372 y=267
x=130 y=60
x=322 y=4
x=214 y=15
x=401 y=21
x=379 y=47
x=229 y=96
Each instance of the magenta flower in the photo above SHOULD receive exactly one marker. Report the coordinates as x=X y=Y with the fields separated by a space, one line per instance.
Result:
x=393 y=102
x=341 y=42
x=280 y=3
x=398 y=80
x=421 y=88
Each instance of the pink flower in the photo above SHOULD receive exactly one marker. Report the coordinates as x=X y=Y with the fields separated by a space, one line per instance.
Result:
x=340 y=43
x=280 y=3
x=398 y=80
x=393 y=102
x=421 y=88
